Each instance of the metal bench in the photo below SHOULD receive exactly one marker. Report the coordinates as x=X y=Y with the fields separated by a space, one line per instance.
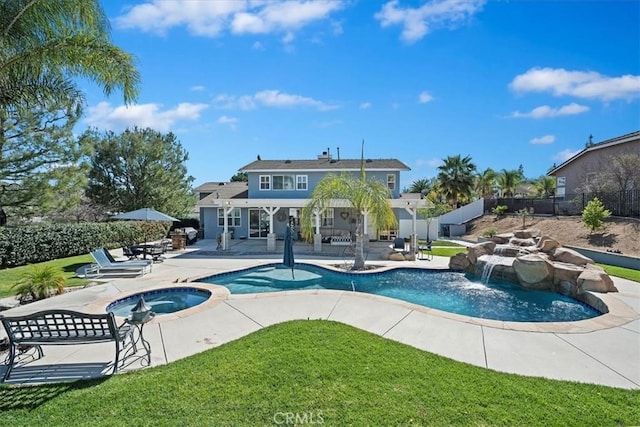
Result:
x=62 y=327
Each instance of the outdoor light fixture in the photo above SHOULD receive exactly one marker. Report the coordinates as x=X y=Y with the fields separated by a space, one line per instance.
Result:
x=141 y=311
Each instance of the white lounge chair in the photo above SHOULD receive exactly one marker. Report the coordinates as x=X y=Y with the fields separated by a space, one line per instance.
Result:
x=104 y=267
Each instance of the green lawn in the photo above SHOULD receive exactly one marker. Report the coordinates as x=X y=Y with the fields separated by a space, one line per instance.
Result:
x=69 y=266
x=625 y=273
x=320 y=370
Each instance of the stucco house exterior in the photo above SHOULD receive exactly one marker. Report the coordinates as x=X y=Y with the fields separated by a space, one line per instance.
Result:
x=575 y=174
x=277 y=190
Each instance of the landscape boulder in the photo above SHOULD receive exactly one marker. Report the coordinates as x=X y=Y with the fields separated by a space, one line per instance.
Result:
x=570 y=256
x=534 y=271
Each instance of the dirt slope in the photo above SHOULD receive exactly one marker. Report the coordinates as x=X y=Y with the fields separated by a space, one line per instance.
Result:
x=619 y=234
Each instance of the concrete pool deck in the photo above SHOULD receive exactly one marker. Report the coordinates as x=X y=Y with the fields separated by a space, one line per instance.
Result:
x=604 y=350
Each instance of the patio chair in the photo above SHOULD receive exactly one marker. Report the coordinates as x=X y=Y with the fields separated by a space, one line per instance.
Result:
x=424 y=251
x=398 y=244
x=104 y=267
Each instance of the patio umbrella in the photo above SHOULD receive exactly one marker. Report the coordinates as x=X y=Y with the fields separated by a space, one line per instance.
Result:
x=145 y=214
x=288 y=250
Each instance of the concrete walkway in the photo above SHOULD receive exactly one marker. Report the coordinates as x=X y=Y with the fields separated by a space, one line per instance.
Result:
x=604 y=350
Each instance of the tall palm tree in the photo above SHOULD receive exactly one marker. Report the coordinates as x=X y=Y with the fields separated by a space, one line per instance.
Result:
x=508 y=181
x=456 y=178
x=365 y=196
x=485 y=182
x=420 y=186
x=46 y=43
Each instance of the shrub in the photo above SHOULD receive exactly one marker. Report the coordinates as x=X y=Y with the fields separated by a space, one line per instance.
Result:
x=500 y=210
x=489 y=232
x=39 y=282
x=594 y=214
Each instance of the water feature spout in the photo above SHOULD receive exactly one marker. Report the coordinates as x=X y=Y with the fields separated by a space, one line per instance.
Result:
x=353 y=286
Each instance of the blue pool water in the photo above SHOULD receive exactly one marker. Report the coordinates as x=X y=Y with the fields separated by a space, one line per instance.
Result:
x=161 y=301
x=443 y=290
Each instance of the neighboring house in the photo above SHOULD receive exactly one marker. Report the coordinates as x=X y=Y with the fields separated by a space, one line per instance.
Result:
x=277 y=190
x=574 y=175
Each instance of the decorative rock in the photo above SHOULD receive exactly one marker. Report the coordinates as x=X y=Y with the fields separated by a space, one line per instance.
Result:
x=570 y=256
x=476 y=251
x=459 y=262
x=534 y=271
x=547 y=244
x=502 y=239
x=527 y=234
x=563 y=272
x=396 y=256
x=409 y=256
x=594 y=280
x=507 y=250
x=521 y=242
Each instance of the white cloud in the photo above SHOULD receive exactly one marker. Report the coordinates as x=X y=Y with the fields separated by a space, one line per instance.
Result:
x=257 y=46
x=105 y=116
x=425 y=97
x=580 y=84
x=547 y=139
x=432 y=163
x=418 y=21
x=565 y=155
x=226 y=120
x=269 y=98
x=197 y=88
x=211 y=18
x=365 y=105
x=545 y=111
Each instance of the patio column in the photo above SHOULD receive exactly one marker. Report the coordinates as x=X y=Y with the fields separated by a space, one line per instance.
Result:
x=414 y=237
x=365 y=229
x=225 y=233
x=271 y=236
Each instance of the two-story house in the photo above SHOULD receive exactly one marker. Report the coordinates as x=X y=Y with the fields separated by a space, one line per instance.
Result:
x=277 y=190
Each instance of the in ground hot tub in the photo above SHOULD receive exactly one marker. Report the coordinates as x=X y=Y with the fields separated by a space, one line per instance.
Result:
x=161 y=301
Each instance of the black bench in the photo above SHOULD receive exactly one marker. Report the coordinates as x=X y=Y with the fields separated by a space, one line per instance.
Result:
x=62 y=327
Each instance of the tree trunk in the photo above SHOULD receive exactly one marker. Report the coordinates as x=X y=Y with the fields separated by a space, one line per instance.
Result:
x=358 y=263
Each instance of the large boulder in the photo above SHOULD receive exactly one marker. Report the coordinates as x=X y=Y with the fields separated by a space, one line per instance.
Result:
x=595 y=280
x=515 y=241
x=396 y=256
x=459 y=262
x=563 y=272
x=547 y=244
x=502 y=239
x=534 y=271
x=476 y=251
x=526 y=234
x=570 y=256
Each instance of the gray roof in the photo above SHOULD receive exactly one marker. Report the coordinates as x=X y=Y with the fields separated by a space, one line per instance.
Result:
x=630 y=137
x=324 y=165
x=224 y=190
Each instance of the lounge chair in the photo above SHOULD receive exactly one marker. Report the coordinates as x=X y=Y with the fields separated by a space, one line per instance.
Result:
x=113 y=260
x=104 y=267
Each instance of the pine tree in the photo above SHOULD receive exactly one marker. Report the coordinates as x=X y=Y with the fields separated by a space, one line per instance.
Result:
x=594 y=214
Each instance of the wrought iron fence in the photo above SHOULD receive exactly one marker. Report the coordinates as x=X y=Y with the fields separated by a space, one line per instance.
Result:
x=620 y=203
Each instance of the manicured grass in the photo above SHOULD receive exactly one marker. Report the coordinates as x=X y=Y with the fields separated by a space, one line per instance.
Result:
x=69 y=266
x=446 y=243
x=320 y=370
x=625 y=273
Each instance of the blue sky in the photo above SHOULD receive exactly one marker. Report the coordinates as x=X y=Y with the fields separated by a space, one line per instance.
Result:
x=505 y=82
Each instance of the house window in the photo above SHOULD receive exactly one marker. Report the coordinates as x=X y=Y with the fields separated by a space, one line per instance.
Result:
x=391 y=181
x=233 y=219
x=265 y=182
x=301 y=182
x=560 y=192
x=326 y=218
x=561 y=181
x=283 y=182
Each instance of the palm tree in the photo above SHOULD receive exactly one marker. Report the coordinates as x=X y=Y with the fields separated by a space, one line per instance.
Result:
x=456 y=178
x=46 y=43
x=508 y=181
x=420 y=186
x=545 y=186
x=485 y=182
x=365 y=196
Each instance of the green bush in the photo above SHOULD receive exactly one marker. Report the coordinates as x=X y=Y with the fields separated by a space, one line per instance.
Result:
x=39 y=282
x=500 y=210
x=594 y=214
x=489 y=232
x=38 y=243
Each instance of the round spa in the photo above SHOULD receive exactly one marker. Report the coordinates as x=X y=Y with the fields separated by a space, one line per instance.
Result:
x=161 y=301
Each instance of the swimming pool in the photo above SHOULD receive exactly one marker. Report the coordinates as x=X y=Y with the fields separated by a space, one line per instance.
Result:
x=443 y=290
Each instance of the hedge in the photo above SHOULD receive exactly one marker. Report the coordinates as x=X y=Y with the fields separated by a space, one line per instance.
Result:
x=38 y=243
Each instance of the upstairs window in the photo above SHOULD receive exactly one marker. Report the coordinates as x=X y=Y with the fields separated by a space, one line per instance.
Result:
x=265 y=182
x=391 y=181
x=301 y=182
x=283 y=182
